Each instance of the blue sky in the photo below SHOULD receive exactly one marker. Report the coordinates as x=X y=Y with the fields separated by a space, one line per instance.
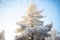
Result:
x=11 y=11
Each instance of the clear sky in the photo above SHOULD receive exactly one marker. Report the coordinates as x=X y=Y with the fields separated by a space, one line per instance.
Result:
x=11 y=11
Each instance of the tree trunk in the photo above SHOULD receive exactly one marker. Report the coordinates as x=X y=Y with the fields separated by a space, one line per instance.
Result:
x=32 y=37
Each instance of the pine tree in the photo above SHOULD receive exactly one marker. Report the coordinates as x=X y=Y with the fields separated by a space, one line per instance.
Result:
x=31 y=27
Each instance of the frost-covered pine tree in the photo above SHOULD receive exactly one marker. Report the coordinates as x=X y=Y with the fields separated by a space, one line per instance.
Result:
x=31 y=27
